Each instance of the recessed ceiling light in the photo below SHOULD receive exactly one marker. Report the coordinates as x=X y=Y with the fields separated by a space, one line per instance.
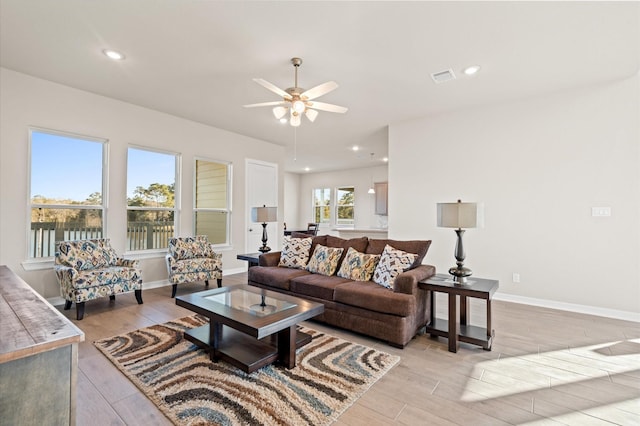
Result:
x=471 y=70
x=306 y=169
x=113 y=54
x=385 y=159
x=355 y=147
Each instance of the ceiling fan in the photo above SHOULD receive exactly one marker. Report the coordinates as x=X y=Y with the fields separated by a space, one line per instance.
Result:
x=297 y=101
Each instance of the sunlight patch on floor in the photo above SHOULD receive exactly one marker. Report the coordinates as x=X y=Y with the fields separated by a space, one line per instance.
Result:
x=526 y=373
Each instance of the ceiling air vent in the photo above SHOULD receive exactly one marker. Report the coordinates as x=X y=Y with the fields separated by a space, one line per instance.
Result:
x=442 y=76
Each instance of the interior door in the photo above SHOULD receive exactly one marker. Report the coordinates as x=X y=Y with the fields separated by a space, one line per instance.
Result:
x=262 y=190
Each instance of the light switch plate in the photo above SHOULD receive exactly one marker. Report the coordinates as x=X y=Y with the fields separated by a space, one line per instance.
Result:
x=600 y=211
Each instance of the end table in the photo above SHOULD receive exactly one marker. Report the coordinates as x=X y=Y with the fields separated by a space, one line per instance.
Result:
x=456 y=328
x=252 y=258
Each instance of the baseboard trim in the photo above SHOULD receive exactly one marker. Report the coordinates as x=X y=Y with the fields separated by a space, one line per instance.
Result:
x=571 y=307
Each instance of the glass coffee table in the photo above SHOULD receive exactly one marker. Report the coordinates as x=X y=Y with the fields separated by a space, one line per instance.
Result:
x=249 y=327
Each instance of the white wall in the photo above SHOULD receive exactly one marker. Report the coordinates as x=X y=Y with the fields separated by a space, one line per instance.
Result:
x=27 y=101
x=539 y=166
x=361 y=179
x=290 y=215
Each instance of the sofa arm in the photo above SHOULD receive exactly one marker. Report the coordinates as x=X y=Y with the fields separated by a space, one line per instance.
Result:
x=407 y=282
x=127 y=263
x=269 y=259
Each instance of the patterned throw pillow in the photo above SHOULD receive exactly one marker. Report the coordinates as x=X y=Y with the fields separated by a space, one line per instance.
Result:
x=295 y=252
x=324 y=260
x=392 y=263
x=358 y=266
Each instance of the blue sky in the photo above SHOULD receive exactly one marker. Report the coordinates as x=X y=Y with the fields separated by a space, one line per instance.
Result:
x=68 y=168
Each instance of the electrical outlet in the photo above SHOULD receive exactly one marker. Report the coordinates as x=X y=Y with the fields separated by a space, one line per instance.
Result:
x=516 y=278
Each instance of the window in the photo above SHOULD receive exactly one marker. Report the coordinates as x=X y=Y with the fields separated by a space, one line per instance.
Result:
x=151 y=199
x=344 y=205
x=212 y=201
x=67 y=181
x=321 y=205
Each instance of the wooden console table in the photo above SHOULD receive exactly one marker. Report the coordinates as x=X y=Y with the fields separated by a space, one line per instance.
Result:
x=38 y=357
x=456 y=328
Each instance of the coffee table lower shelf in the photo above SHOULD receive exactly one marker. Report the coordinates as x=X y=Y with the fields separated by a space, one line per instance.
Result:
x=241 y=350
x=467 y=333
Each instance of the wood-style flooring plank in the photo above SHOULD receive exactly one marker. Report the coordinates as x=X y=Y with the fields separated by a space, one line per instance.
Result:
x=546 y=367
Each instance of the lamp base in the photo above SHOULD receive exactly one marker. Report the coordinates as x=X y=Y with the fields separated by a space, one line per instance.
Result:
x=460 y=274
x=264 y=249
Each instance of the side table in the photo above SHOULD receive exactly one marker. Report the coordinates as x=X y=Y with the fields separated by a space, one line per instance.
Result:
x=252 y=258
x=456 y=328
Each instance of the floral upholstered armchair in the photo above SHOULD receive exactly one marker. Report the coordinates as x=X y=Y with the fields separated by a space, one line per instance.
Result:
x=90 y=269
x=192 y=259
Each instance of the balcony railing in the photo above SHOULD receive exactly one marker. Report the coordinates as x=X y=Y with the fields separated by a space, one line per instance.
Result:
x=140 y=235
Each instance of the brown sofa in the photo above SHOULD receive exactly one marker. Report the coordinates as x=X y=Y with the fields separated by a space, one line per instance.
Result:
x=394 y=315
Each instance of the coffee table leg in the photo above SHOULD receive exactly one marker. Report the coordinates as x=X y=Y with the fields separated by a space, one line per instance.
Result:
x=215 y=334
x=287 y=347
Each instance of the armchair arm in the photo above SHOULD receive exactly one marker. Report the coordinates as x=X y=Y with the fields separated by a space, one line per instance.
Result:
x=127 y=263
x=269 y=259
x=407 y=282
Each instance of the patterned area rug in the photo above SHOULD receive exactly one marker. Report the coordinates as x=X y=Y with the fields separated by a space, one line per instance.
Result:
x=330 y=375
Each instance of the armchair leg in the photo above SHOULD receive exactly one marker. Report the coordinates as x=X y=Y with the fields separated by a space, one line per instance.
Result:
x=173 y=290
x=79 y=310
x=112 y=297
x=219 y=282
x=138 y=296
x=206 y=283
x=67 y=305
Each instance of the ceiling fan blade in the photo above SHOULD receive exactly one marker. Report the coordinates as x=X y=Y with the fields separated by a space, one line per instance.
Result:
x=274 y=103
x=270 y=86
x=311 y=114
x=321 y=89
x=327 y=107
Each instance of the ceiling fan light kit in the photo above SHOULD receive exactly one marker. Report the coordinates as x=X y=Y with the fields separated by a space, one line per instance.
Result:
x=297 y=101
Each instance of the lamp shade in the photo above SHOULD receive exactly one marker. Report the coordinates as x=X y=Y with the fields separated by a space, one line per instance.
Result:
x=264 y=214
x=460 y=215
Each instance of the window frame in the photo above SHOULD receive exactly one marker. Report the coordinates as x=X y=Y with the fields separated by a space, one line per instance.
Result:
x=314 y=205
x=30 y=205
x=345 y=223
x=176 y=198
x=229 y=200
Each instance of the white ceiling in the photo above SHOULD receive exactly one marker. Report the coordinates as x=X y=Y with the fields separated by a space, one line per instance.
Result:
x=196 y=59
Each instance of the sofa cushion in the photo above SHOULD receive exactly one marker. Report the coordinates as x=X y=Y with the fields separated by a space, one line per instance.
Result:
x=107 y=276
x=418 y=247
x=274 y=276
x=86 y=255
x=316 y=285
x=318 y=239
x=324 y=260
x=392 y=263
x=371 y=296
x=359 y=244
x=358 y=266
x=183 y=248
x=295 y=252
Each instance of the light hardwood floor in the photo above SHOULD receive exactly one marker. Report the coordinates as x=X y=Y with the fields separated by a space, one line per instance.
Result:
x=546 y=367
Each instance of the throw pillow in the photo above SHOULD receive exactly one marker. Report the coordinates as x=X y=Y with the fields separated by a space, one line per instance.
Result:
x=392 y=263
x=358 y=266
x=324 y=260
x=295 y=252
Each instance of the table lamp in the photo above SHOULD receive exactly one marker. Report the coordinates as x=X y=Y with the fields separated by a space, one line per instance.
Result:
x=460 y=215
x=264 y=214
